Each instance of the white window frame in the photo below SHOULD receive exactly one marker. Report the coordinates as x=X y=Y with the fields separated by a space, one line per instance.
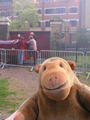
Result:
x=61 y=13
x=73 y=7
x=49 y=13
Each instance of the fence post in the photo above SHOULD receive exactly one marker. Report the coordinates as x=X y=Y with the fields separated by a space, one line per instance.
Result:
x=76 y=51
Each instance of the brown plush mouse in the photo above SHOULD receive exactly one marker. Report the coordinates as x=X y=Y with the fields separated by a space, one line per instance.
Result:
x=60 y=95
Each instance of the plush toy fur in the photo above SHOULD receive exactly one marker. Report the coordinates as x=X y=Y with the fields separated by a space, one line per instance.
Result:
x=60 y=95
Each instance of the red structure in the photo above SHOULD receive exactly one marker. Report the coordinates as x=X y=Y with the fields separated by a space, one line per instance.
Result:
x=43 y=38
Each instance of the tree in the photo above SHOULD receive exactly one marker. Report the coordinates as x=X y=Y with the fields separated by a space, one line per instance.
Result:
x=83 y=36
x=27 y=13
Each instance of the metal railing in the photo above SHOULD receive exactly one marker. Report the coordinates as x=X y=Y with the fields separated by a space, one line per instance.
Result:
x=76 y=56
x=9 y=57
x=2 y=57
x=88 y=64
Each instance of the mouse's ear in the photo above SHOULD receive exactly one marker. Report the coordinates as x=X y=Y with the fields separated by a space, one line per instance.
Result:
x=72 y=64
x=37 y=67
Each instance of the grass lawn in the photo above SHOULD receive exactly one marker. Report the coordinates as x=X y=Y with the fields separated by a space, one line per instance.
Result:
x=4 y=93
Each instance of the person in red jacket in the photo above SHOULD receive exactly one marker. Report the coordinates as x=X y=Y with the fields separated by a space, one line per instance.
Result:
x=21 y=46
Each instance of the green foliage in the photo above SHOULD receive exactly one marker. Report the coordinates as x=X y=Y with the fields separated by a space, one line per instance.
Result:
x=83 y=36
x=84 y=73
x=18 y=25
x=4 y=92
x=27 y=14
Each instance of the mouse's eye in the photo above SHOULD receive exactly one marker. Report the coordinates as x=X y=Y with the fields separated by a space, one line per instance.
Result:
x=61 y=65
x=44 y=67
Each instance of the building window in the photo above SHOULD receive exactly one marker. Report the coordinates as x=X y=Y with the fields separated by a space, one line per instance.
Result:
x=47 y=23
x=8 y=13
x=39 y=11
x=73 y=23
x=49 y=0
x=3 y=13
x=39 y=24
x=38 y=0
x=49 y=11
x=73 y=9
x=60 y=10
x=60 y=0
x=3 y=3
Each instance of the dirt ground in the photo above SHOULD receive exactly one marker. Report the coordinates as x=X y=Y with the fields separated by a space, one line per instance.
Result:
x=24 y=83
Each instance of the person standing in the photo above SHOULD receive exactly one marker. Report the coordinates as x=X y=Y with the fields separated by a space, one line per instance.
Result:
x=33 y=47
x=21 y=44
x=33 y=35
x=19 y=36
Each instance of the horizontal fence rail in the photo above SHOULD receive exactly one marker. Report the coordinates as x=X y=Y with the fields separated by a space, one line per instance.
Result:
x=14 y=57
x=88 y=64
x=88 y=61
x=2 y=57
x=76 y=56
x=10 y=57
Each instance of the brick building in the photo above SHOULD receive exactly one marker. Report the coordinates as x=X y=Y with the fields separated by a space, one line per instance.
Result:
x=6 y=8
x=69 y=10
x=75 y=14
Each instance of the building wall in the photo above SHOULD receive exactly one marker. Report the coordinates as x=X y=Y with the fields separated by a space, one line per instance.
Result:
x=82 y=13
x=67 y=16
x=72 y=21
x=6 y=8
x=87 y=14
x=43 y=6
